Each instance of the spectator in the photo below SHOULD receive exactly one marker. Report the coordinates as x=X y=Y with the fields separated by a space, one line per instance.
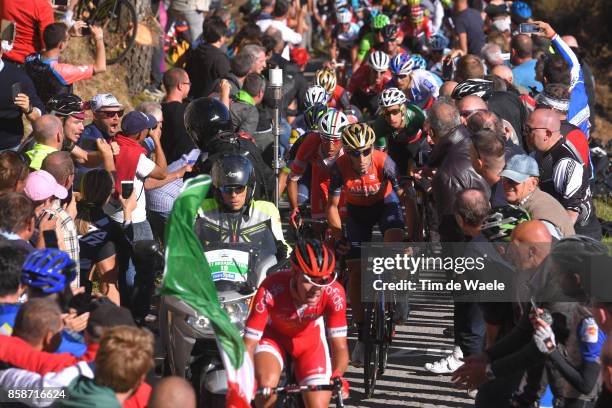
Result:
x=11 y=289
x=266 y=8
x=133 y=165
x=12 y=108
x=492 y=55
x=123 y=360
x=469 y=27
x=562 y=173
x=487 y=153
x=174 y=139
x=504 y=73
x=193 y=13
x=468 y=105
x=61 y=167
x=173 y=392
x=17 y=219
x=490 y=120
x=245 y=116
x=469 y=67
x=49 y=135
x=447 y=88
x=31 y=18
x=39 y=323
x=52 y=77
x=207 y=62
x=103 y=244
x=605 y=397
x=240 y=66
x=258 y=53
x=499 y=39
x=13 y=172
x=279 y=22
x=520 y=179
x=471 y=209
x=524 y=71
x=499 y=18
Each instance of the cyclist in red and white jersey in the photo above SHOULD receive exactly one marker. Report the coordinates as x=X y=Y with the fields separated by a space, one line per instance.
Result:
x=290 y=313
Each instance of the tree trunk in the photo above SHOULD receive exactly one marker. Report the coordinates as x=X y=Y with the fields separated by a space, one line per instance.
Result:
x=138 y=59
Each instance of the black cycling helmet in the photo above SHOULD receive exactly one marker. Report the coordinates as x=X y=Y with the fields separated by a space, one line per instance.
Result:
x=205 y=118
x=498 y=226
x=390 y=32
x=313 y=258
x=475 y=86
x=313 y=114
x=233 y=170
x=66 y=105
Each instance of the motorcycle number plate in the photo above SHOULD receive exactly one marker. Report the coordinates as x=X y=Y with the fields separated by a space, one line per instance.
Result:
x=228 y=264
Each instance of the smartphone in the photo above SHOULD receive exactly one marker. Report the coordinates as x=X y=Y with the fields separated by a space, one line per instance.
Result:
x=86 y=30
x=8 y=30
x=127 y=187
x=448 y=68
x=60 y=2
x=545 y=316
x=16 y=89
x=529 y=28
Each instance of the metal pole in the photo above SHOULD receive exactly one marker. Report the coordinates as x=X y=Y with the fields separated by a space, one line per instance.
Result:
x=276 y=84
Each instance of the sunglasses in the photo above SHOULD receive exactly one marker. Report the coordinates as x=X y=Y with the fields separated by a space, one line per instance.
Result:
x=393 y=112
x=402 y=76
x=111 y=114
x=329 y=140
x=320 y=282
x=360 y=153
x=232 y=189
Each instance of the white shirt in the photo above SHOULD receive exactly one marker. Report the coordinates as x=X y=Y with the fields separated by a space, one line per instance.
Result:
x=289 y=35
x=113 y=208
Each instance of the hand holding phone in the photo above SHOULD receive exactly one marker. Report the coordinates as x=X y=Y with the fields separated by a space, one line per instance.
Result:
x=529 y=28
x=16 y=89
x=86 y=30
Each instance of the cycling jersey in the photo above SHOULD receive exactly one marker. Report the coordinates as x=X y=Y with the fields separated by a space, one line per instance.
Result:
x=367 y=189
x=52 y=77
x=260 y=224
x=346 y=39
x=309 y=152
x=282 y=327
x=340 y=99
x=424 y=89
x=360 y=81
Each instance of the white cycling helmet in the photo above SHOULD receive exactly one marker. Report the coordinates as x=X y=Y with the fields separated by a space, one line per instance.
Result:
x=379 y=61
x=332 y=123
x=316 y=94
x=391 y=97
x=344 y=16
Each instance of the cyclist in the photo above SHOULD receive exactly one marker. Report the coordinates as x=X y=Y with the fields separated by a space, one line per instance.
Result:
x=392 y=37
x=368 y=178
x=291 y=309
x=368 y=41
x=320 y=149
x=369 y=81
x=438 y=44
x=420 y=86
x=338 y=96
x=344 y=37
x=400 y=125
x=316 y=94
x=233 y=215
x=417 y=27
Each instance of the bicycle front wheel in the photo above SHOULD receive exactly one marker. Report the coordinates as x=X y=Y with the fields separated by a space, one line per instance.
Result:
x=371 y=349
x=119 y=22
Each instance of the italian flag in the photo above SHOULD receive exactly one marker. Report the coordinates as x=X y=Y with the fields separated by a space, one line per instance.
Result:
x=187 y=276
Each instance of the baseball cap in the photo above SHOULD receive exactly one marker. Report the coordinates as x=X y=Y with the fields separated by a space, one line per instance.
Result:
x=135 y=122
x=104 y=101
x=41 y=185
x=520 y=167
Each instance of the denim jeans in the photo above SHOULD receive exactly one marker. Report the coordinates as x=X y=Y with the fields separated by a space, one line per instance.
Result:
x=194 y=18
x=139 y=276
x=469 y=328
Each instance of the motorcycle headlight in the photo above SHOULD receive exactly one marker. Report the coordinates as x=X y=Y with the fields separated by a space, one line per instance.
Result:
x=199 y=323
x=237 y=312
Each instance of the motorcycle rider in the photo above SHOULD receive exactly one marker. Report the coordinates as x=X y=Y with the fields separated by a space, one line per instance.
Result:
x=209 y=125
x=233 y=215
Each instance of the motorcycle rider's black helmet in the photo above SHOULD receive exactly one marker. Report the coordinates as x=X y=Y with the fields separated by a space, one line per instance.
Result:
x=205 y=118
x=233 y=170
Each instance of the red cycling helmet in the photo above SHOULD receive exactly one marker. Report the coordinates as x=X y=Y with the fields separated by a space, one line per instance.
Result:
x=313 y=258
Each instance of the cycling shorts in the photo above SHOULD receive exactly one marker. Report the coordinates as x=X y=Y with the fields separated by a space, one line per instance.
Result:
x=387 y=214
x=309 y=352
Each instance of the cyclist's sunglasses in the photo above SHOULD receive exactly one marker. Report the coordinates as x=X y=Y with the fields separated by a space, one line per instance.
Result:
x=358 y=153
x=392 y=112
x=329 y=140
x=320 y=282
x=401 y=76
x=111 y=114
x=232 y=189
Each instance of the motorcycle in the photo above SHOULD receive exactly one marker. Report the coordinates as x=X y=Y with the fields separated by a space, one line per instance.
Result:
x=188 y=338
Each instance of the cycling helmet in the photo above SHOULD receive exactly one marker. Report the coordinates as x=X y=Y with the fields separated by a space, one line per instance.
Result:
x=358 y=136
x=419 y=61
x=48 y=270
x=205 y=118
x=414 y=3
x=520 y=11
x=380 y=21
x=66 y=105
x=313 y=258
x=478 y=87
x=340 y=4
x=379 y=61
x=313 y=114
x=327 y=79
x=402 y=64
x=390 y=32
x=416 y=14
x=344 y=16
x=438 y=42
x=332 y=123
x=391 y=97
x=498 y=226
x=315 y=94
x=233 y=170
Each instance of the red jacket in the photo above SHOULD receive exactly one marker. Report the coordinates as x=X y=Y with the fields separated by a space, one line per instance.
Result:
x=31 y=18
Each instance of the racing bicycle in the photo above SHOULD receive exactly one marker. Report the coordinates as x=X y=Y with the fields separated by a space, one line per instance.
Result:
x=291 y=394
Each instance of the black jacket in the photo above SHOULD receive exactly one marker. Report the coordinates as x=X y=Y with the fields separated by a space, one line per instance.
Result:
x=454 y=174
x=204 y=65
